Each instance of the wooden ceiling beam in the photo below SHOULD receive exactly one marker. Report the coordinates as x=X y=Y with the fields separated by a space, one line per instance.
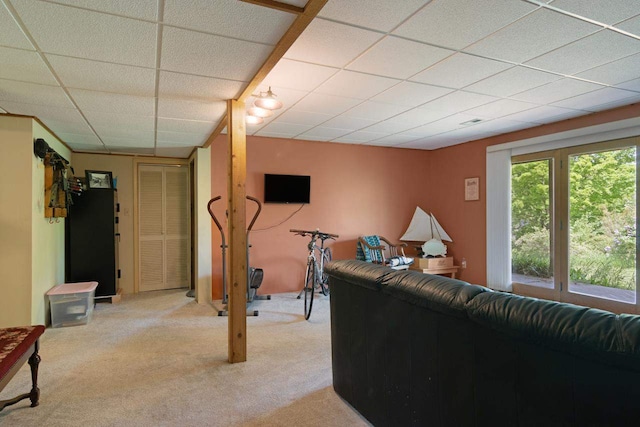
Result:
x=284 y=7
x=301 y=22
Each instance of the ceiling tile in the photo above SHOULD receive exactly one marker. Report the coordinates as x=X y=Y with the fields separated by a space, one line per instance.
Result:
x=191 y=110
x=347 y=123
x=545 y=114
x=209 y=55
x=381 y=15
x=82 y=139
x=361 y=136
x=131 y=150
x=614 y=104
x=125 y=142
x=523 y=39
x=411 y=94
x=511 y=81
x=326 y=104
x=143 y=9
x=31 y=93
x=68 y=127
x=92 y=148
x=460 y=70
x=88 y=100
x=418 y=117
x=392 y=140
x=298 y=75
x=26 y=66
x=176 y=85
x=123 y=121
x=317 y=44
x=608 y=12
x=587 y=53
x=190 y=126
x=459 y=101
x=399 y=58
x=183 y=138
x=43 y=112
x=75 y=32
x=556 y=91
x=597 y=97
x=145 y=137
x=614 y=72
x=631 y=25
x=390 y=126
x=355 y=85
x=443 y=125
x=323 y=133
x=229 y=18
x=11 y=34
x=104 y=77
x=283 y=129
x=630 y=85
x=179 y=152
x=303 y=117
x=433 y=24
x=500 y=108
x=375 y=111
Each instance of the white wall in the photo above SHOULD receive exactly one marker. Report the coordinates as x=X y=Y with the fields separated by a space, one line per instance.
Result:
x=202 y=192
x=15 y=221
x=47 y=237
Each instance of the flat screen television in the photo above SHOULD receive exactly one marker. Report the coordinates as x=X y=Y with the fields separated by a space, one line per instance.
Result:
x=286 y=188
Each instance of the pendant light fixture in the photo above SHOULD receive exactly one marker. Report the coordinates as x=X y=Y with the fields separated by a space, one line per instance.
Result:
x=263 y=107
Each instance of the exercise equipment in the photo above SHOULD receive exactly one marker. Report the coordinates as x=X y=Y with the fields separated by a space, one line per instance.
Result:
x=254 y=275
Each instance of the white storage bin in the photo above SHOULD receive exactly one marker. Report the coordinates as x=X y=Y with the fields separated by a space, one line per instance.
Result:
x=71 y=303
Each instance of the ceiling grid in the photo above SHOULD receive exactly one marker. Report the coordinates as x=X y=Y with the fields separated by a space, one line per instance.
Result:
x=152 y=77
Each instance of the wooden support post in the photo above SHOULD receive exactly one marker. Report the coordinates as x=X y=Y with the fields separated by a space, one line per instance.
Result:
x=237 y=176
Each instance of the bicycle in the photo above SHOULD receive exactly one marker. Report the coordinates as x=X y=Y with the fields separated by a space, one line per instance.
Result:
x=315 y=278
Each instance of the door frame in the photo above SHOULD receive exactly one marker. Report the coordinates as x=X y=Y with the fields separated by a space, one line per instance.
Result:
x=151 y=161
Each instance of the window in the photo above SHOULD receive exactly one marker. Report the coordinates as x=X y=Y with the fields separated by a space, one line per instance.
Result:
x=573 y=224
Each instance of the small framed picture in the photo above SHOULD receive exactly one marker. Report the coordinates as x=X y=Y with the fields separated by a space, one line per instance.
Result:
x=472 y=189
x=99 y=179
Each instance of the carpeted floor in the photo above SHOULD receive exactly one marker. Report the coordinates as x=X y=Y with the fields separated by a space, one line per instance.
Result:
x=159 y=359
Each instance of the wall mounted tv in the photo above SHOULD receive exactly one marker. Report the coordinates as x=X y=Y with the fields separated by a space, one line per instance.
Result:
x=286 y=188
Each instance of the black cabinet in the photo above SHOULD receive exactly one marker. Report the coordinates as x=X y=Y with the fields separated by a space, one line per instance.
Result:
x=92 y=240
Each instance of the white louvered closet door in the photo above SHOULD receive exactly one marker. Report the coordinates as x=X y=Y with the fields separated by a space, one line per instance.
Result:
x=163 y=220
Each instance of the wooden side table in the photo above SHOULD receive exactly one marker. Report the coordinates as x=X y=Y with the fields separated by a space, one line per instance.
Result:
x=451 y=271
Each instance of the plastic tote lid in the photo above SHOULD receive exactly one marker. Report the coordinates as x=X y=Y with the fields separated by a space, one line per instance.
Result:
x=73 y=288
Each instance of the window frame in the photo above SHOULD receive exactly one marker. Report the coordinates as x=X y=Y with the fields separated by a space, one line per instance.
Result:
x=559 y=217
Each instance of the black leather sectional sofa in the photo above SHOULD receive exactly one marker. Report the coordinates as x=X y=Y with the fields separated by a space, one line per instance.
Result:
x=411 y=349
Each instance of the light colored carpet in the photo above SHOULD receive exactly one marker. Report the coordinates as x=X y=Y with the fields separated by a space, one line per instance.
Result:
x=160 y=359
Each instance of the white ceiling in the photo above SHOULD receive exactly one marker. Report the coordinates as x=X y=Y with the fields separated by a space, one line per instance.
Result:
x=151 y=76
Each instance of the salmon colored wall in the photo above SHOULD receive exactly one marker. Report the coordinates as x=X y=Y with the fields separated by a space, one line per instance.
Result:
x=355 y=190
x=464 y=221
x=360 y=190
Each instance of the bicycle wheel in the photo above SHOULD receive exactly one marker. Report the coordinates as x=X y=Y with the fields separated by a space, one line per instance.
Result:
x=309 y=281
x=324 y=281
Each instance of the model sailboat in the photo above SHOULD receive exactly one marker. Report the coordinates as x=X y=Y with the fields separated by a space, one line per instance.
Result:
x=425 y=228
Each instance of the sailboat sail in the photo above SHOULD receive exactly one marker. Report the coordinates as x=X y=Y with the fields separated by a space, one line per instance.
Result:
x=424 y=227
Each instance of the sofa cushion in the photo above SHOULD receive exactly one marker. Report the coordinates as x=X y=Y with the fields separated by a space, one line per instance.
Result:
x=581 y=331
x=357 y=272
x=442 y=294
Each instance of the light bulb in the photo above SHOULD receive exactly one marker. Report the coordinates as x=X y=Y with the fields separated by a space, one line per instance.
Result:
x=253 y=120
x=259 y=112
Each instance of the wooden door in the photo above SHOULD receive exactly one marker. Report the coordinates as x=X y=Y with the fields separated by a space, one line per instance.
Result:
x=163 y=219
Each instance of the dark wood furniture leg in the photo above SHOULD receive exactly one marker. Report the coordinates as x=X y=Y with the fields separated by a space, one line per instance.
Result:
x=34 y=362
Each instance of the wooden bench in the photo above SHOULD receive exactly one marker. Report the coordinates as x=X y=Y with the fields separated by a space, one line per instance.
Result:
x=17 y=345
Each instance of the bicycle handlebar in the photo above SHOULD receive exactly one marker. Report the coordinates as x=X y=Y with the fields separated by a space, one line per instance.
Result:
x=317 y=233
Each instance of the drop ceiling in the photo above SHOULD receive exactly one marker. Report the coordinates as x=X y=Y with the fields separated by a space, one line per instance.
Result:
x=151 y=77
